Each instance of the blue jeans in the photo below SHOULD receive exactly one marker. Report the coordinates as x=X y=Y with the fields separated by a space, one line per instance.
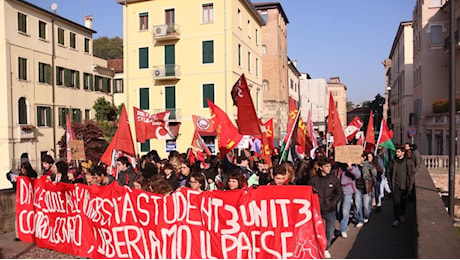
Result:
x=329 y=225
x=344 y=207
x=363 y=204
x=378 y=200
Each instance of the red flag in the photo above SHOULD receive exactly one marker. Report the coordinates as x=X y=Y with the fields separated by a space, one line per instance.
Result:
x=310 y=129
x=370 y=135
x=227 y=133
x=151 y=126
x=269 y=134
x=334 y=125
x=121 y=145
x=353 y=127
x=203 y=126
x=248 y=122
x=360 y=140
x=68 y=136
x=292 y=116
x=198 y=143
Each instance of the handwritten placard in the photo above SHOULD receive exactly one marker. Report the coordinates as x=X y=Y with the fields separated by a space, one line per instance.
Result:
x=77 y=149
x=348 y=153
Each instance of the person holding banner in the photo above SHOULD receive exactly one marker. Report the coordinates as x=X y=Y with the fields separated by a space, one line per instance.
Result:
x=126 y=172
x=47 y=163
x=197 y=181
x=330 y=193
x=235 y=180
x=59 y=170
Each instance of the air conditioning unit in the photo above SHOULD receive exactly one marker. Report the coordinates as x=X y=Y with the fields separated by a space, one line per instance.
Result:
x=161 y=30
x=159 y=72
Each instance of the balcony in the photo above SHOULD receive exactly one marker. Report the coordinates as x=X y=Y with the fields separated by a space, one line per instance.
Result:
x=166 y=72
x=166 y=32
x=26 y=132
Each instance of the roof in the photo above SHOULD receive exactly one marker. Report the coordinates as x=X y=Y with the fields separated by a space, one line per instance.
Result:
x=56 y=15
x=398 y=35
x=116 y=64
x=272 y=5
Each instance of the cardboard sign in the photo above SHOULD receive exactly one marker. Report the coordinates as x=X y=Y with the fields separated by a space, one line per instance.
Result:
x=348 y=153
x=77 y=149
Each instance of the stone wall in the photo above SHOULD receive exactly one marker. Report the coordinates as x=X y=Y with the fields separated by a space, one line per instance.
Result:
x=7 y=210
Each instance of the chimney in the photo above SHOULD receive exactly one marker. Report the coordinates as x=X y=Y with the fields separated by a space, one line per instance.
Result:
x=89 y=21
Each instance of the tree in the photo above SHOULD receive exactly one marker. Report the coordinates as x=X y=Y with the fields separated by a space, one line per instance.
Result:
x=108 y=48
x=105 y=110
x=350 y=105
x=91 y=134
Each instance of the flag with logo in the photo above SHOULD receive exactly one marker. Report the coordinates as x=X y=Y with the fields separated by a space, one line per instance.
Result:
x=334 y=125
x=353 y=127
x=248 y=122
x=155 y=126
x=203 y=126
x=227 y=133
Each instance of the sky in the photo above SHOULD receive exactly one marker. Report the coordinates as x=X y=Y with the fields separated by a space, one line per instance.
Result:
x=328 y=38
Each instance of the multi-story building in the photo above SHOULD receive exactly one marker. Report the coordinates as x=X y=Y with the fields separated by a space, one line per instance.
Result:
x=315 y=97
x=339 y=93
x=400 y=83
x=119 y=97
x=177 y=54
x=275 y=72
x=48 y=72
x=294 y=81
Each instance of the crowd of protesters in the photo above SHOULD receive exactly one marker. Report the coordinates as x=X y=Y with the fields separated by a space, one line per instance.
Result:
x=341 y=187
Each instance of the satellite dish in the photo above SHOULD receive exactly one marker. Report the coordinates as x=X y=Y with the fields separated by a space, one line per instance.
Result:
x=54 y=7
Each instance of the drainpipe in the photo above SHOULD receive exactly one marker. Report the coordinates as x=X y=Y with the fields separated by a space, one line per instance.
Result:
x=225 y=53
x=53 y=86
x=11 y=128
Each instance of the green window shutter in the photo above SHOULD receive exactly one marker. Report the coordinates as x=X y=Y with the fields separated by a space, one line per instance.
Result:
x=143 y=58
x=85 y=80
x=144 y=98
x=208 y=93
x=208 y=52
x=170 y=101
x=48 y=116
x=91 y=85
x=67 y=78
x=48 y=73
x=104 y=84
x=77 y=79
x=39 y=119
x=145 y=147
x=86 y=45
x=42 y=30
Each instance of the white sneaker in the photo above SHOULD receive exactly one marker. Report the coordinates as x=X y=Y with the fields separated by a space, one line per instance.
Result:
x=327 y=254
x=344 y=234
x=360 y=224
x=366 y=220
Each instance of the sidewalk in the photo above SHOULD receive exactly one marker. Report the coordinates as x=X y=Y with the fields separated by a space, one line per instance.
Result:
x=13 y=249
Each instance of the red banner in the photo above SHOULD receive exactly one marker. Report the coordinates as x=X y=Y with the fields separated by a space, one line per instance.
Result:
x=118 y=222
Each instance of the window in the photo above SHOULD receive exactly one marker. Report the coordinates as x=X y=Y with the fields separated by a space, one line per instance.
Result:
x=436 y=34
x=59 y=76
x=72 y=40
x=87 y=81
x=97 y=83
x=436 y=3
x=61 y=36
x=106 y=84
x=170 y=101
x=208 y=13
x=257 y=67
x=240 y=19
x=249 y=61
x=71 y=78
x=208 y=52
x=22 y=68
x=143 y=21
x=22 y=109
x=43 y=116
x=76 y=115
x=44 y=73
x=87 y=114
x=264 y=49
x=239 y=55
x=264 y=15
x=86 y=45
x=42 y=30
x=208 y=93
x=257 y=36
x=22 y=22
x=144 y=98
x=118 y=86
x=143 y=58
x=170 y=60
x=249 y=28
x=145 y=147
x=62 y=113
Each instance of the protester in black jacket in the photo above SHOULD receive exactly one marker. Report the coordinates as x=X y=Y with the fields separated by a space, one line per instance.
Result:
x=126 y=173
x=330 y=193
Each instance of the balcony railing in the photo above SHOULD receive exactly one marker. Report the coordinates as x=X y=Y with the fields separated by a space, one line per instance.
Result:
x=165 y=72
x=165 y=32
x=26 y=132
x=175 y=114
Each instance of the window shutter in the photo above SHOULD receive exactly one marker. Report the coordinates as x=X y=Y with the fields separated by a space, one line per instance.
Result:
x=77 y=79
x=67 y=78
x=48 y=116
x=208 y=93
x=48 y=73
x=91 y=85
x=208 y=51
x=170 y=99
x=39 y=118
x=143 y=58
x=145 y=147
x=144 y=98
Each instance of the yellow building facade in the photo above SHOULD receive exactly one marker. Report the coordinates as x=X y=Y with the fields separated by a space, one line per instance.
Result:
x=47 y=64
x=177 y=54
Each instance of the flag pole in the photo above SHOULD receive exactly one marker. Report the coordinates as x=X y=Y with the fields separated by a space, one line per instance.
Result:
x=378 y=139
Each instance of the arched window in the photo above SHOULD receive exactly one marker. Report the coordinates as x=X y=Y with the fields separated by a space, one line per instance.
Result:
x=22 y=109
x=265 y=85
